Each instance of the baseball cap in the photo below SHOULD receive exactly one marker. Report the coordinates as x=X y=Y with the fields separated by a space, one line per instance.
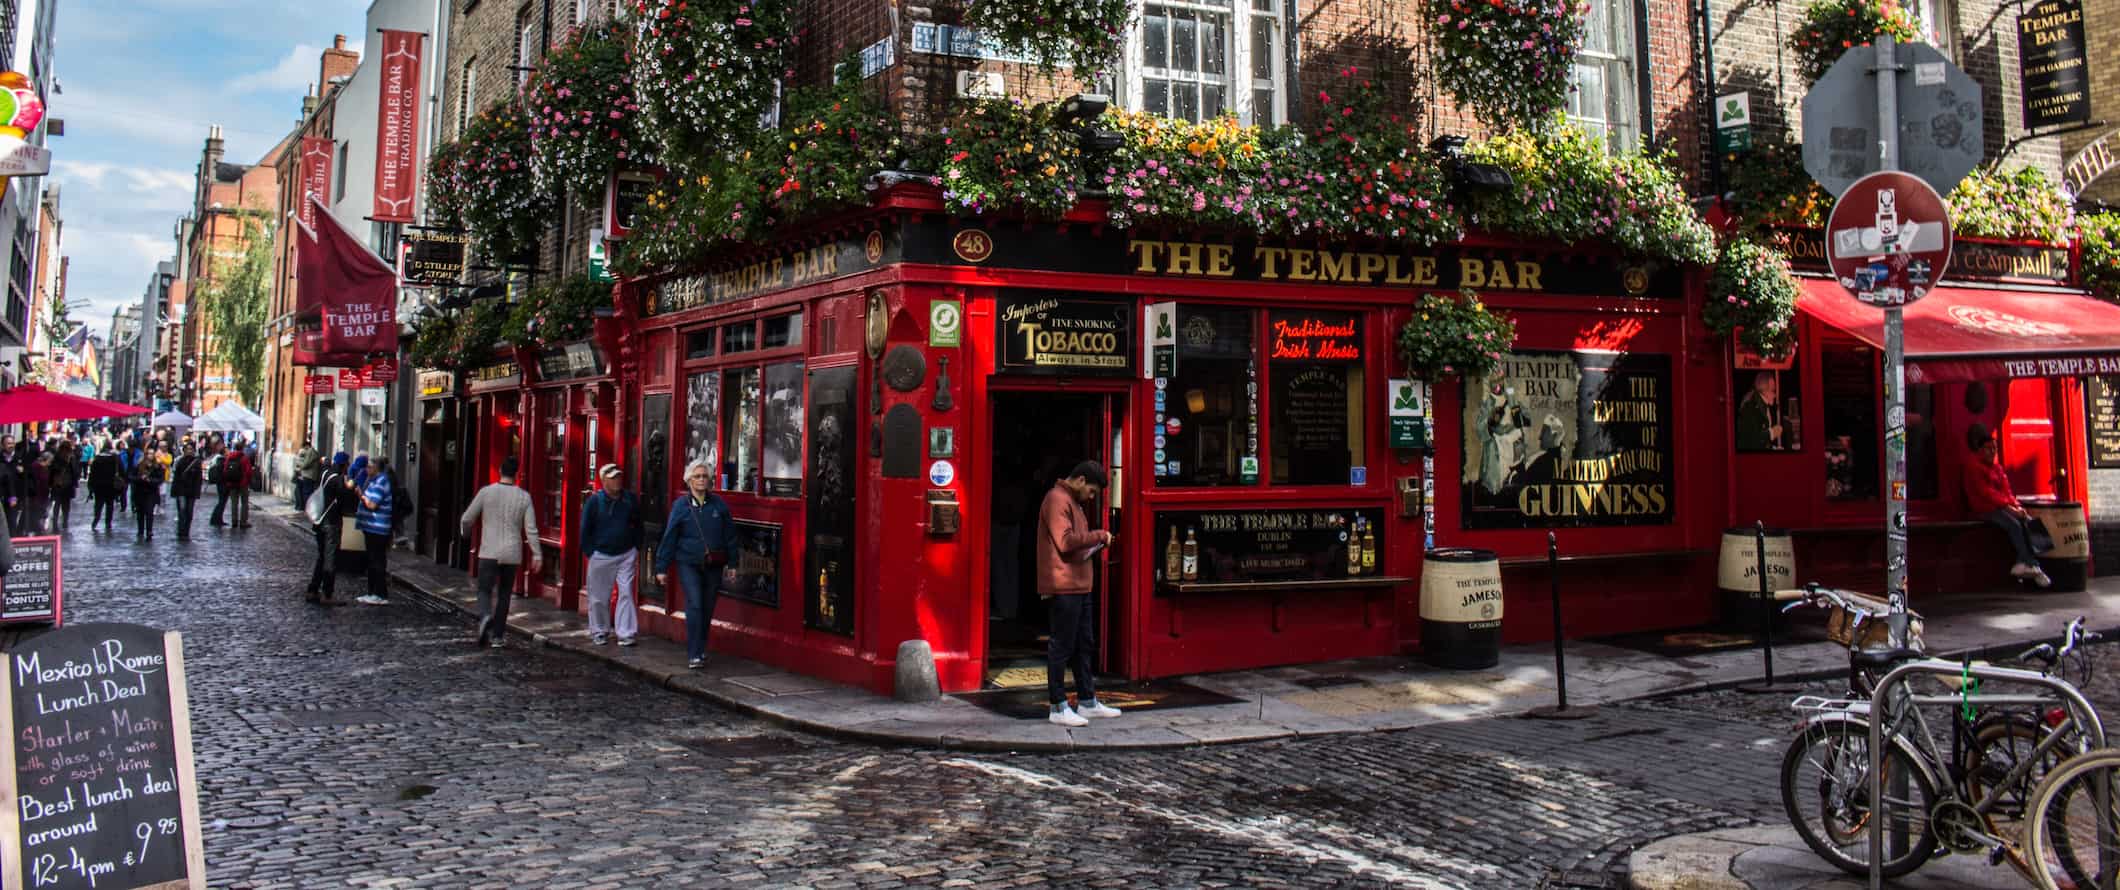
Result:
x=609 y=470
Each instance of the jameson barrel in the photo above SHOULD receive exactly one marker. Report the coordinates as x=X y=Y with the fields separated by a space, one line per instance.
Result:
x=1461 y=609
x=2068 y=561
x=1737 y=575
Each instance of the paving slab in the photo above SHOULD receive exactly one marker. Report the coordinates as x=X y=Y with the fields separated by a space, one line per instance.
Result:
x=1775 y=858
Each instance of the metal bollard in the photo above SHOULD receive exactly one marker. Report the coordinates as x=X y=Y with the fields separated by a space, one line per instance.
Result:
x=1560 y=710
x=1766 y=611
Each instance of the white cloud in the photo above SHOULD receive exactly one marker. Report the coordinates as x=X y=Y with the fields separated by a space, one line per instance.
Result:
x=140 y=188
x=295 y=71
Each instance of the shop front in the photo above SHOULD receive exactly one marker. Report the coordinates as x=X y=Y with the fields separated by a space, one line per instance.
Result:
x=570 y=434
x=440 y=469
x=2005 y=345
x=492 y=417
x=885 y=406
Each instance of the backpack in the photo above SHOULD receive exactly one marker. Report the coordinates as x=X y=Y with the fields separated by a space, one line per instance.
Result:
x=214 y=471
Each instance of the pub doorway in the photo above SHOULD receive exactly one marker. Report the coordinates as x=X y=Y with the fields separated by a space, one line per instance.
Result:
x=1037 y=438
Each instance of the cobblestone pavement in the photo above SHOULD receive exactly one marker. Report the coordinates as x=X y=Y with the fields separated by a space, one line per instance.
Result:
x=372 y=747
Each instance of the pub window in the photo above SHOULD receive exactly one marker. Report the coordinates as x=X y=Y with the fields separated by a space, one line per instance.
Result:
x=1210 y=409
x=703 y=420
x=739 y=423
x=700 y=344
x=1849 y=374
x=739 y=337
x=1316 y=400
x=785 y=330
x=783 y=429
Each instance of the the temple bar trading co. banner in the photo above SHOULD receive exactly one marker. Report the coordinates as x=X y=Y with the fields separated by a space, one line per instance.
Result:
x=397 y=128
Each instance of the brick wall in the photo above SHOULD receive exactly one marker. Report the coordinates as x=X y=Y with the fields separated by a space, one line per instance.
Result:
x=2101 y=34
x=1750 y=55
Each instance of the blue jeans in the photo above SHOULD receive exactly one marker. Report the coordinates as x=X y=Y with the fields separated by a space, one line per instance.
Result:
x=2020 y=537
x=702 y=588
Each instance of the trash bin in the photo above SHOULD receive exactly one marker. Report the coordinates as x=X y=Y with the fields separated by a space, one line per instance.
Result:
x=1461 y=609
x=1737 y=574
x=2068 y=563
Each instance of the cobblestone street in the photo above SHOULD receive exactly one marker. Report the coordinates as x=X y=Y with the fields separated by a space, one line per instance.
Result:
x=372 y=746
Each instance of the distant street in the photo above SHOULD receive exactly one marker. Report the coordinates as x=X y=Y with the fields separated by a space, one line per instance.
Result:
x=371 y=746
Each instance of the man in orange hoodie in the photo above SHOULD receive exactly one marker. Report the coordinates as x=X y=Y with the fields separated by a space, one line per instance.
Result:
x=1067 y=556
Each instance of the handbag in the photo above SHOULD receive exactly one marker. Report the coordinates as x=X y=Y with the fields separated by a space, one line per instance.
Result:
x=2036 y=533
x=708 y=559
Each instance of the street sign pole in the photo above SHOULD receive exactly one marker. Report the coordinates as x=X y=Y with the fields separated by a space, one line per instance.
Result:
x=1895 y=404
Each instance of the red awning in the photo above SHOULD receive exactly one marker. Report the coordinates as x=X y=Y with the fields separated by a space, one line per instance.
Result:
x=1957 y=334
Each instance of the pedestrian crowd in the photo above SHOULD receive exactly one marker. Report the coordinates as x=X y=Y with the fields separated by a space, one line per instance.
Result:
x=40 y=478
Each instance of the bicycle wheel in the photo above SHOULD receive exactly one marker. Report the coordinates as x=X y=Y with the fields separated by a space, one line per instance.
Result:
x=2000 y=743
x=1825 y=792
x=2074 y=843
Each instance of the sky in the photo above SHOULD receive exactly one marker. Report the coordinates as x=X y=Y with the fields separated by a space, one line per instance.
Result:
x=140 y=81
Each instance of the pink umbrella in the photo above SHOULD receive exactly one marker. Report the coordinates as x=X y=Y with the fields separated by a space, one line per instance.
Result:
x=30 y=403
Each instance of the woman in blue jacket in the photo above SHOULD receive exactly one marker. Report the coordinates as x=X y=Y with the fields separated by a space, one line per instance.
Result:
x=697 y=540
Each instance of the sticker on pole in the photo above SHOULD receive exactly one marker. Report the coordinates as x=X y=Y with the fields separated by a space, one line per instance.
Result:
x=1889 y=239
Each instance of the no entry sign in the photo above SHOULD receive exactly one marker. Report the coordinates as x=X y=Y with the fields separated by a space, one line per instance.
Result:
x=1889 y=238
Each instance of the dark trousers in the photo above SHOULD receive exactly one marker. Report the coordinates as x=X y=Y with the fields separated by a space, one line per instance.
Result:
x=702 y=590
x=496 y=587
x=303 y=488
x=378 y=564
x=184 y=510
x=106 y=511
x=324 y=576
x=143 y=504
x=2020 y=537
x=220 y=504
x=1074 y=637
x=62 y=510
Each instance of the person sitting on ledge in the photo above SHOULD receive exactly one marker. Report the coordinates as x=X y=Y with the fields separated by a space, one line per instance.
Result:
x=1987 y=493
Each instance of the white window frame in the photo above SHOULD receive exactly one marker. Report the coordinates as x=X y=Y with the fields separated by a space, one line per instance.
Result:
x=525 y=46
x=1620 y=124
x=1934 y=19
x=1238 y=84
x=467 y=93
x=581 y=11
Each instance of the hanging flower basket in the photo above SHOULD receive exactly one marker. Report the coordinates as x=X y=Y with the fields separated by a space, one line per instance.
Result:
x=1832 y=27
x=483 y=181
x=832 y=141
x=1084 y=35
x=1001 y=153
x=459 y=340
x=583 y=118
x=1509 y=61
x=1753 y=295
x=1453 y=335
x=558 y=312
x=2022 y=205
x=1769 y=186
x=708 y=72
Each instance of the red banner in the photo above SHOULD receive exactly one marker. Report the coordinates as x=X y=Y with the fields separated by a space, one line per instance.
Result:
x=352 y=293
x=397 y=128
x=381 y=371
x=316 y=178
x=350 y=379
x=317 y=384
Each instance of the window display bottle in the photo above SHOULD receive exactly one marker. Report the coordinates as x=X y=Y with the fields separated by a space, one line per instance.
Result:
x=1369 y=548
x=1354 y=546
x=1191 y=555
x=1173 y=558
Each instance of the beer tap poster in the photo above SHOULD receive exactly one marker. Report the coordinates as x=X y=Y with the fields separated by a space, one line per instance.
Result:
x=1568 y=439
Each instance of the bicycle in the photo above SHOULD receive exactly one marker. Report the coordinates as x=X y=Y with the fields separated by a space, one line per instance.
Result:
x=1973 y=800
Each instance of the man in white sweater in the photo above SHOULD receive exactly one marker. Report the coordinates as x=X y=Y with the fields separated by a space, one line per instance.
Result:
x=506 y=520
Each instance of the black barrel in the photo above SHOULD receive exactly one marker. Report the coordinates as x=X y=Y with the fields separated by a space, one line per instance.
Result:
x=2069 y=561
x=1737 y=573
x=1461 y=609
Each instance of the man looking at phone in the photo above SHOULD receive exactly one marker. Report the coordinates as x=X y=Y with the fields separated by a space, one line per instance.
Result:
x=1067 y=554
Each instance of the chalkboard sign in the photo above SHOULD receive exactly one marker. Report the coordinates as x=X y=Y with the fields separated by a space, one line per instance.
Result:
x=1264 y=545
x=99 y=768
x=2103 y=397
x=34 y=587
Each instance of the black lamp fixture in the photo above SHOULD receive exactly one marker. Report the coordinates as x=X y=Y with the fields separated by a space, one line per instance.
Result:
x=1467 y=175
x=1081 y=111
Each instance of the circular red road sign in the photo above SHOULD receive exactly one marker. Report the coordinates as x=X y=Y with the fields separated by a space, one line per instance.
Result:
x=1889 y=238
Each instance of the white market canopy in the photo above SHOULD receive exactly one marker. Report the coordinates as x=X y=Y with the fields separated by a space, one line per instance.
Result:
x=171 y=419
x=230 y=417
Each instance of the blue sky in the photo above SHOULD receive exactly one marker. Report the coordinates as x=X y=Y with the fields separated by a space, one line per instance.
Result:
x=141 y=80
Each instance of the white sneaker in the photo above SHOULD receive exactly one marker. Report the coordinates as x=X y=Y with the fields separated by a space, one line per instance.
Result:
x=2039 y=577
x=1095 y=708
x=371 y=600
x=1066 y=716
x=2021 y=570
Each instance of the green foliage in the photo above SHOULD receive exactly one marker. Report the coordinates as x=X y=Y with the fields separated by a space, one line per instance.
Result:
x=1002 y=153
x=2022 y=205
x=1453 y=335
x=1568 y=188
x=462 y=339
x=483 y=182
x=831 y=141
x=582 y=115
x=1082 y=34
x=556 y=312
x=1832 y=27
x=1753 y=291
x=235 y=303
x=1769 y=186
x=1508 y=60
x=2101 y=252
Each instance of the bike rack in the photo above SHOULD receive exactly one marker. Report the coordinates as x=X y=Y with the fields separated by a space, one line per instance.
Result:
x=2085 y=715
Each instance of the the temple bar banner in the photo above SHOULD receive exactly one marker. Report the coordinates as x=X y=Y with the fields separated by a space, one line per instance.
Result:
x=397 y=128
x=316 y=178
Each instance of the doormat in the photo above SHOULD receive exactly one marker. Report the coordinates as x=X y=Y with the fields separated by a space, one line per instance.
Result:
x=1708 y=639
x=1028 y=703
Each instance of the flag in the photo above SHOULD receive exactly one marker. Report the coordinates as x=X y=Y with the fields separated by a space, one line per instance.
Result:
x=345 y=297
x=75 y=340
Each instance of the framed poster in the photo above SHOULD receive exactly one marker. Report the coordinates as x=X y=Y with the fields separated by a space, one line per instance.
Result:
x=1568 y=439
x=753 y=574
x=702 y=423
